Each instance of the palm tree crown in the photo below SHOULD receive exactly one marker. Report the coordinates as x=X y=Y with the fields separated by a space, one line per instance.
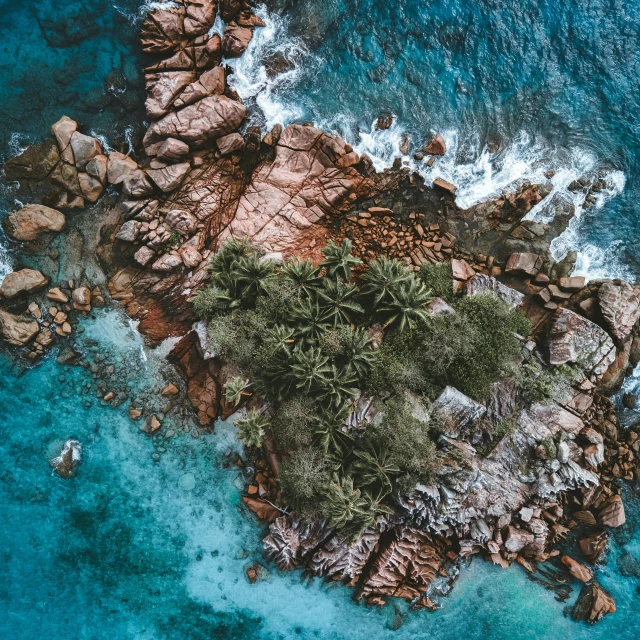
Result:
x=338 y=260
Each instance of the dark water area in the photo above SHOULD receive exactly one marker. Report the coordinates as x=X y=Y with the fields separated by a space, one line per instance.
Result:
x=80 y=59
x=149 y=541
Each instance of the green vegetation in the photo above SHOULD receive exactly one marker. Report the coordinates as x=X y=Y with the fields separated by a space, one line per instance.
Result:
x=301 y=334
x=234 y=389
x=251 y=429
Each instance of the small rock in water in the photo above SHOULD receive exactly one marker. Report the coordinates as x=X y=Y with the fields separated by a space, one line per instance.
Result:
x=256 y=572
x=66 y=461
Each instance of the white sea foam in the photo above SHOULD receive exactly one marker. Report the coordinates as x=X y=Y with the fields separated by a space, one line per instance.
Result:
x=5 y=261
x=251 y=80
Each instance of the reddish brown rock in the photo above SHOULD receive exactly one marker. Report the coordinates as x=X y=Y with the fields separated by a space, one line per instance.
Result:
x=31 y=221
x=577 y=570
x=262 y=509
x=593 y=604
x=527 y=263
x=17 y=330
x=23 y=281
x=437 y=147
x=119 y=167
x=85 y=148
x=229 y=144
x=612 y=514
x=593 y=546
x=197 y=124
x=572 y=284
x=171 y=177
x=404 y=567
x=441 y=183
x=236 y=40
x=620 y=306
x=461 y=270
x=573 y=338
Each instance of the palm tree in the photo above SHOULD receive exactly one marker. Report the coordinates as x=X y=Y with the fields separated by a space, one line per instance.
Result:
x=407 y=305
x=224 y=260
x=311 y=320
x=252 y=428
x=339 y=300
x=356 y=349
x=338 y=260
x=373 y=465
x=382 y=279
x=234 y=389
x=250 y=275
x=309 y=369
x=345 y=503
x=302 y=274
x=331 y=436
x=337 y=385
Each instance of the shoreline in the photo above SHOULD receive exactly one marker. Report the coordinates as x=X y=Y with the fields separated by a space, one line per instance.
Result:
x=339 y=183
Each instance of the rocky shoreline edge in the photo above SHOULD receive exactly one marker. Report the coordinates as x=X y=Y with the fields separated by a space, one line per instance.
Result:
x=200 y=182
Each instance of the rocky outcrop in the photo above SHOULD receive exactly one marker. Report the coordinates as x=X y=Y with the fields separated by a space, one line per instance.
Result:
x=574 y=339
x=482 y=284
x=23 y=281
x=405 y=566
x=593 y=604
x=620 y=307
x=32 y=221
x=17 y=330
x=66 y=462
x=456 y=411
x=289 y=195
x=612 y=514
x=197 y=124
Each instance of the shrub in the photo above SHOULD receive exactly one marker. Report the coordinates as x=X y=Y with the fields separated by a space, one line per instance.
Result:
x=338 y=261
x=493 y=344
x=304 y=480
x=292 y=423
x=538 y=384
x=438 y=279
x=237 y=336
x=212 y=301
x=251 y=429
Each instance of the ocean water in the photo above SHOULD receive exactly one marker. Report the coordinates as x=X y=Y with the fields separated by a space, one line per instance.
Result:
x=516 y=89
x=149 y=539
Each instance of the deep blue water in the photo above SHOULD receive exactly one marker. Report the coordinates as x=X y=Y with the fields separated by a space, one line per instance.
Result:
x=138 y=548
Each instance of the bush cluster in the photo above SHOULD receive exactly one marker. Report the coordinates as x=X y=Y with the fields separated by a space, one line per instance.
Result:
x=300 y=333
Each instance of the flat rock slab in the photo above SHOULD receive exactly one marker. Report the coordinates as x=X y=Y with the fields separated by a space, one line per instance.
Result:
x=620 y=306
x=574 y=339
x=28 y=223
x=482 y=284
x=23 y=281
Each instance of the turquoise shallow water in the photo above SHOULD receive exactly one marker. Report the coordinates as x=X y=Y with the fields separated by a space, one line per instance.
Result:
x=134 y=548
